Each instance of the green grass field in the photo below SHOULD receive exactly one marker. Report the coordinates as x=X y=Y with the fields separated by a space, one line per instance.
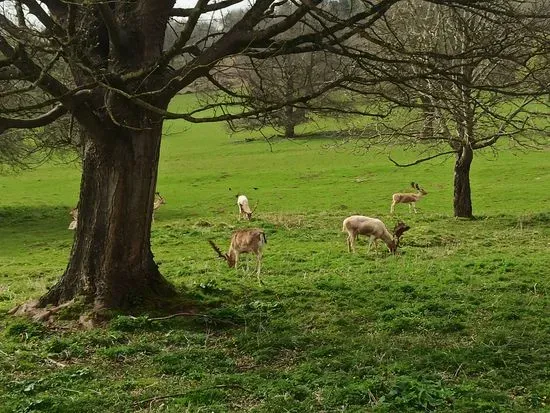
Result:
x=458 y=321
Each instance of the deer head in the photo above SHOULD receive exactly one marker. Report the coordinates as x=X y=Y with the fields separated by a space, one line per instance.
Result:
x=159 y=199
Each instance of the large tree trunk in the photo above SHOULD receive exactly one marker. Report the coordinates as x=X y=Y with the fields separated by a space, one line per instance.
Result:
x=111 y=263
x=462 y=193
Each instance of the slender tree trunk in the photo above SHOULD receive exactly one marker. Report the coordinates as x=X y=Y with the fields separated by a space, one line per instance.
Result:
x=462 y=191
x=111 y=263
x=290 y=123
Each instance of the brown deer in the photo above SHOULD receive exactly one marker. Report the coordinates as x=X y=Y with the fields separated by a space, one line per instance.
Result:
x=242 y=241
x=375 y=229
x=408 y=198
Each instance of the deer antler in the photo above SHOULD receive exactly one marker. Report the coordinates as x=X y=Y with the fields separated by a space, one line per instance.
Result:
x=255 y=206
x=216 y=248
x=399 y=229
x=415 y=186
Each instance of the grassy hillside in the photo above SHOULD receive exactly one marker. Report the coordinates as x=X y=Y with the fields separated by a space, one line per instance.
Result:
x=458 y=321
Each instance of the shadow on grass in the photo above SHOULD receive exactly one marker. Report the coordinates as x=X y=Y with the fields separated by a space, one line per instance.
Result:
x=46 y=216
x=541 y=219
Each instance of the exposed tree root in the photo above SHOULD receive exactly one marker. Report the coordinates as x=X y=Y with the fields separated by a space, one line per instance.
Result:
x=47 y=314
x=36 y=313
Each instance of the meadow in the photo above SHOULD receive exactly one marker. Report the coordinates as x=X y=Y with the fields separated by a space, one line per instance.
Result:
x=458 y=321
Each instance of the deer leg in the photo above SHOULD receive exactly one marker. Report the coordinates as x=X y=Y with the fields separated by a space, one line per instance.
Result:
x=236 y=260
x=259 y=267
x=392 y=207
x=351 y=240
x=414 y=207
x=371 y=240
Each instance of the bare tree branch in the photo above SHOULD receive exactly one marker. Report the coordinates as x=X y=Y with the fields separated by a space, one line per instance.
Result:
x=43 y=120
x=112 y=28
x=421 y=160
x=181 y=12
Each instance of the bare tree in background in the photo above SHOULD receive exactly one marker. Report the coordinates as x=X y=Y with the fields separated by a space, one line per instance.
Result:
x=283 y=79
x=280 y=79
x=470 y=80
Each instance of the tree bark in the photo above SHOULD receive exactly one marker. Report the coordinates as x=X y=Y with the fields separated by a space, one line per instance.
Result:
x=462 y=199
x=111 y=263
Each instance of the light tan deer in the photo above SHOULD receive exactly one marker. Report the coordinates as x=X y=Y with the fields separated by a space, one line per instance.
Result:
x=373 y=228
x=408 y=198
x=159 y=200
x=243 y=241
x=74 y=222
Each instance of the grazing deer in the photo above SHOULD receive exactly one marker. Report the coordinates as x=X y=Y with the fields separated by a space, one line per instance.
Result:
x=244 y=207
x=244 y=240
x=373 y=228
x=408 y=198
x=74 y=222
x=159 y=200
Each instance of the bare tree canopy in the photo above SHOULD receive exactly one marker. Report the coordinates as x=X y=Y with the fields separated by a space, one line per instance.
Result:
x=105 y=66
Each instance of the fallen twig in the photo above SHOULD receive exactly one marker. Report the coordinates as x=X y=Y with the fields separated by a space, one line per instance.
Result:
x=177 y=315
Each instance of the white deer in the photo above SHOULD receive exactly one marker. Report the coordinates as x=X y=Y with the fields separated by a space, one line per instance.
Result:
x=244 y=207
x=373 y=228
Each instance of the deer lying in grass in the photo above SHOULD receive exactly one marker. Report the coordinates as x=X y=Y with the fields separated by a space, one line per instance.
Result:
x=244 y=240
x=74 y=214
x=373 y=228
x=408 y=198
x=159 y=200
x=244 y=207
